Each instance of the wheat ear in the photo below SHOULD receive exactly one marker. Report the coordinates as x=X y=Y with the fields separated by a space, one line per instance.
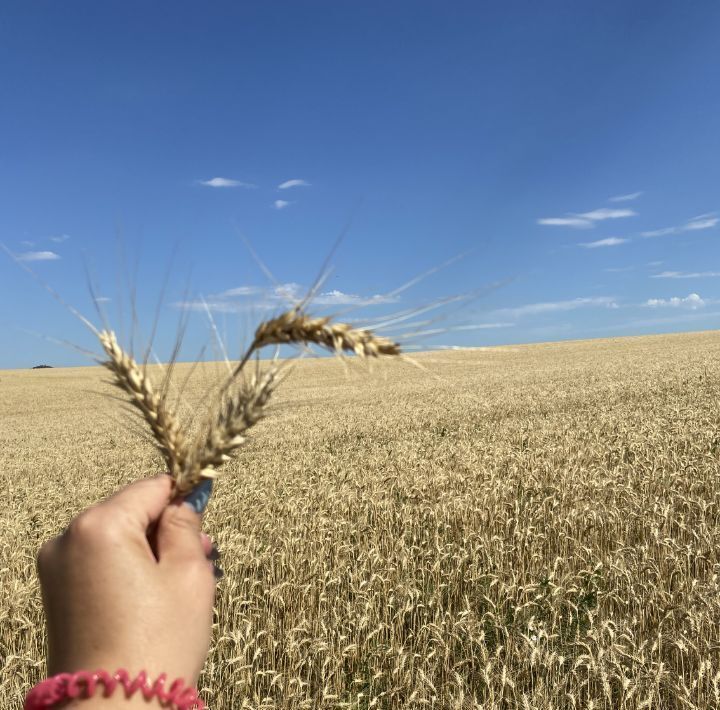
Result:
x=237 y=412
x=131 y=378
x=295 y=326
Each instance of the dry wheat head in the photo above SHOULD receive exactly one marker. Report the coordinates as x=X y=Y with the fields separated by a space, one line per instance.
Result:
x=295 y=327
x=133 y=380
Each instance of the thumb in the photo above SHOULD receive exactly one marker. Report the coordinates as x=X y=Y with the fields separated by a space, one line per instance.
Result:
x=178 y=535
x=141 y=502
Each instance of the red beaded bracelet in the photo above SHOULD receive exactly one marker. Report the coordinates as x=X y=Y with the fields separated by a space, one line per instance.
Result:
x=83 y=684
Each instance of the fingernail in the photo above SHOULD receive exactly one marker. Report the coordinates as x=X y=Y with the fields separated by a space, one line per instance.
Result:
x=199 y=496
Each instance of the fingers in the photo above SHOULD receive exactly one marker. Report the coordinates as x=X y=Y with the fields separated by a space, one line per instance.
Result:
x=46 y=555
x=212 y=554
x=142 y=502
x=207 y=544
x=178 y=535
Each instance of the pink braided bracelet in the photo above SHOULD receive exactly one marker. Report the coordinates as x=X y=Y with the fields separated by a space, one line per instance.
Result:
x=83 y=684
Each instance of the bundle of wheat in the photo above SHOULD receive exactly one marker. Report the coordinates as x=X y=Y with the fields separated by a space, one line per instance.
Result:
x=242 y=401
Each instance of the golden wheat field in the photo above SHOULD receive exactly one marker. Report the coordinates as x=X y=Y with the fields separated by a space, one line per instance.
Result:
x=520 y=527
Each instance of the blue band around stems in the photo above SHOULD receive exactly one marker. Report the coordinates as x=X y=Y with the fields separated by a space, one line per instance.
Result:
x=199 y=496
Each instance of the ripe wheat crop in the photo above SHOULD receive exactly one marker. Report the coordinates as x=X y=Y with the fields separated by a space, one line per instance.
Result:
x=535 y=527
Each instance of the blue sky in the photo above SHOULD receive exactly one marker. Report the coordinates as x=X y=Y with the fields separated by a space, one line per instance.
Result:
x=569 y=149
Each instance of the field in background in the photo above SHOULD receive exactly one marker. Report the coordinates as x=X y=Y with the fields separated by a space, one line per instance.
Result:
x=531 y=527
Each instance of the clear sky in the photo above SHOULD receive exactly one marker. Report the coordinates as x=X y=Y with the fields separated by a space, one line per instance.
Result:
x=571 y=147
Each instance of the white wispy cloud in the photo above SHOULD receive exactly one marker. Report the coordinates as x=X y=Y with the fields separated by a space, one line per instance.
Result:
x=585 y=220
x=243 y=298
x=604 y=213
x=281 y=204
x=207 y=304
x=608 y=242
x=27 y=243
x=558 y=306
x=241 y=291
x=625 y=198
x=686 y=275
x=37 y=256
x=225 y=182
x=60 y=238
x=339 y=298
x=578 y=222
x=103 y=299
x=619 y=269
x=293 y=183
x=660 y=232
x=703 y=221
x=288 y=292
x=484 y=326
x=443 y=331
x=692 y=301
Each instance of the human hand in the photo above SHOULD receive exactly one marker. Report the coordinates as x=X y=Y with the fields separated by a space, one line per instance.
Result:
x=130 y=585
